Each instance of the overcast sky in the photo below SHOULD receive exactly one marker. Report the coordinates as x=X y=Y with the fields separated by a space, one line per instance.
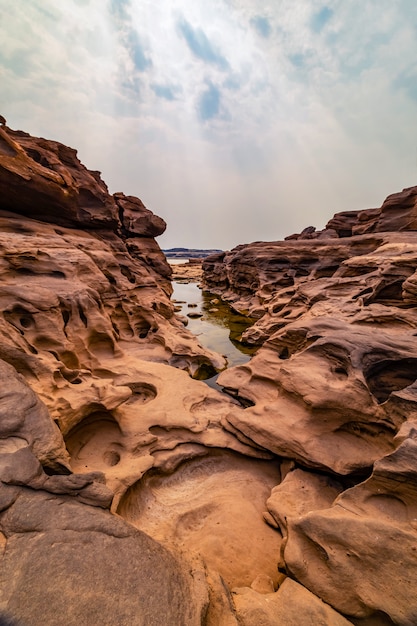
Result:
x=234 y=120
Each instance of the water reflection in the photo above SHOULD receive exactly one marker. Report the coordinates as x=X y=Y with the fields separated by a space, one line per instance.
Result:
x=219 y=328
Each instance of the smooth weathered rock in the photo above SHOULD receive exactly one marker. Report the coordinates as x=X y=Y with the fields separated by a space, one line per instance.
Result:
x=291 y=605
x=299 y=493
x=324 y=403
x=81 y=566
x=360 y=555
x=211 y=506
x=333 y=388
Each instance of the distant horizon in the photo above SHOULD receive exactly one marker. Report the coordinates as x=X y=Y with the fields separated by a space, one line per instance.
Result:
x=235 y=120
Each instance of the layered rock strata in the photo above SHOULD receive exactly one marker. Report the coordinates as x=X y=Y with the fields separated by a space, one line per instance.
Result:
x=333 y=390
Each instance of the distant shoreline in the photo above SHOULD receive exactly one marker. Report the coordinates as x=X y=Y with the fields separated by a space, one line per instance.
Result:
x=189 y=253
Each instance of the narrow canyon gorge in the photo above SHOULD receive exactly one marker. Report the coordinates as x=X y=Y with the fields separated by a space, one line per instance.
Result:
x=132 y=493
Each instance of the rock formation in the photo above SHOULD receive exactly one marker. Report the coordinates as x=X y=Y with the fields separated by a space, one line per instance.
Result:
x=132 y=493
x=90 y=398
x=333 y=390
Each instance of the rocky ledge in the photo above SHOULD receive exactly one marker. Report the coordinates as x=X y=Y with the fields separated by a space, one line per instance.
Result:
x=132 y=493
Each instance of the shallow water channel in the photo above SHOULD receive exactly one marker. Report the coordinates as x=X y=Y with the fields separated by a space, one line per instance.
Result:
x=219 y=327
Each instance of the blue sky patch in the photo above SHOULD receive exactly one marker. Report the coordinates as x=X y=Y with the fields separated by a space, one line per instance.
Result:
x=137 y=53
x=298 y=59
x=320 y=19
x=209 y=104
x=262 y=26
x=165 y=91
x=200 y=45
x=118 y=8
x=407 y=81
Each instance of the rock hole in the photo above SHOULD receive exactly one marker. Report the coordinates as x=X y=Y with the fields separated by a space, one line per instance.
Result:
x=388 y=376
x=245 y=402
x=326 y=271
x=367 y=429
x=26 y=322
x=142 y=329
x=20 y=318
x=391 y=293
x=70 y=359
x=142 y=393
x=36 y=156
x=364 y=292
x=101 y=344
x=110 y=277
x=284 y=354
x=111 y=458
x=93 y=442
x=127 y=273
x=205 y=370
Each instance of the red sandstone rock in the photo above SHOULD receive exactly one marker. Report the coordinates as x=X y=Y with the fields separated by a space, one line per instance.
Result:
x=94 y=415
x=136 y=219
x=86 y=319
x=333 y=387
x=45 y=180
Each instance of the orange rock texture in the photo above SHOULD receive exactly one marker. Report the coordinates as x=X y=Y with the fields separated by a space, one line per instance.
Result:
x=132 y=493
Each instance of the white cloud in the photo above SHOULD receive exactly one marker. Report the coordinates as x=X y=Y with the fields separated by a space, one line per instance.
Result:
x=302 y=109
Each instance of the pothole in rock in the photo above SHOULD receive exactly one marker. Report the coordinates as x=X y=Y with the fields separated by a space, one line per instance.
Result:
x=95 y=443
x=212 y=507
x=142 y=393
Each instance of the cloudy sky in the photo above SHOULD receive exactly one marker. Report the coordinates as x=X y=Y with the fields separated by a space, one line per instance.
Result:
x=235 y=120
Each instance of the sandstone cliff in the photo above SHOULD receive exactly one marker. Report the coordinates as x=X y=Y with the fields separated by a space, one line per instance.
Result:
x=132 y=493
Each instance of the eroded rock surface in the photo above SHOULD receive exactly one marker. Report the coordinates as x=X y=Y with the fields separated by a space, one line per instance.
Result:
x=132 y=493
x=333 y=390
x=96 y=391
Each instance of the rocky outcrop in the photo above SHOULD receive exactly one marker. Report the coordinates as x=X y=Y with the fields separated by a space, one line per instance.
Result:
x=132 y=493
x=333 y=390
x=398 y=213
x=96 y=391
x=45 y=180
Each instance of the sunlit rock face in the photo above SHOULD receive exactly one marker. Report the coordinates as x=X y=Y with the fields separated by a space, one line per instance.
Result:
x=333 y=390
